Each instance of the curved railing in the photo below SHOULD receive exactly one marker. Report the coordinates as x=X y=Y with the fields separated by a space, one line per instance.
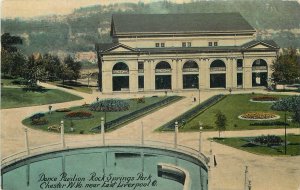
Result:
x=33 y=151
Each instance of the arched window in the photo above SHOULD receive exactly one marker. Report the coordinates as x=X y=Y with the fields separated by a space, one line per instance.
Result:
x=120 y=68
x=217 y=63
x=163 y=65
x=190 y=66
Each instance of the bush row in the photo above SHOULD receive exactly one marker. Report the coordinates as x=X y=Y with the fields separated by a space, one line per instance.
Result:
x=275 y=123
x=110 y=105
x=182 y=119
x=269 y=140
x=114 y=123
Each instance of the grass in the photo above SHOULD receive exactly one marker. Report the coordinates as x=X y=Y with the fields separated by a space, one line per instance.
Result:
x=16 y=82
x=74 y=86
x=19 y=97
x=293 y=145
x=85 y=125
x=233 y=106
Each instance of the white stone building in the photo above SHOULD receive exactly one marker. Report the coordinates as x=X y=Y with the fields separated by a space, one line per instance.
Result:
x=177 y=52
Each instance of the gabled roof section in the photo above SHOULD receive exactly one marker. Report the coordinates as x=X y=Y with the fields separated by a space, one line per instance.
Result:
x=107 y=47
x=179 y=23
x=260 y=44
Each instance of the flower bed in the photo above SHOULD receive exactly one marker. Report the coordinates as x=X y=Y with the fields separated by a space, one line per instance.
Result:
x=259 y=116
x=39 y=121
x=264 y=99
x=78 y=115
x=270 y=140
x=110 y=105
x=63 y=110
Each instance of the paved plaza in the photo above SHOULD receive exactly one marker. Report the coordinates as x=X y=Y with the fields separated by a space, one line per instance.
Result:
x=265 y=172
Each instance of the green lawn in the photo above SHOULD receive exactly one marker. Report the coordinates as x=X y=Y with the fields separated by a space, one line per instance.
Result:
x=17 y=82
x=86 y=124
x=233 y=106
x=19 y=97
x=74 y=86
x=293 y=145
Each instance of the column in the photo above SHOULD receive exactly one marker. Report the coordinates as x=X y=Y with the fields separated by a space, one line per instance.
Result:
x=174 y=79
x=133 y=76
x=107 y=77
x=179 y=65
x=152 y=76
x=204 y=74
x=247 y=73
x=147 y=76
x=228 y=73
x=234 y=73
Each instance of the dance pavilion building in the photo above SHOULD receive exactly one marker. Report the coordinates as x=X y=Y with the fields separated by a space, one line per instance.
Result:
x=177 y=52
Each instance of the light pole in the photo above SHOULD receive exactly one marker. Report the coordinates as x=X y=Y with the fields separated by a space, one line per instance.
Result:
x=200 y=137
x=142 y=134
x=26 y=142
x=62 y=134
x=102 y=131
x=175 y=135
x=285 y=133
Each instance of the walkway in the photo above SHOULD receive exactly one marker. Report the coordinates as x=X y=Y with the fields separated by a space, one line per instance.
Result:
x=266 y=172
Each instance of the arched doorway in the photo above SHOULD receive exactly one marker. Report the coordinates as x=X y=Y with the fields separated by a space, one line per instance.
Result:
x=217 y=74
x=120 y=77
x=190 y=78
x=259 y=73
x=163 y=76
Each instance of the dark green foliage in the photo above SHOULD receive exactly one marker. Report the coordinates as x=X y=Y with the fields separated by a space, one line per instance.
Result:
x=40 y=121
x=78 y=115
x=290 y=104
x=269 y=140
x=286 y=68
x=9 y=42
x=37 y=116
x=221 y=121
x=274 y=123
x=110 y=105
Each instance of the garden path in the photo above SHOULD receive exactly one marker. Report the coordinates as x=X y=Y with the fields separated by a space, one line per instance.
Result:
x=266 y=172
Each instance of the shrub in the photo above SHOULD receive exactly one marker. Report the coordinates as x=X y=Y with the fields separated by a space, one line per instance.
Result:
x=265 y=98
x=269 y=140
x=140 y=100
x=63 y=110
x=37 y=116
x=39 y=121
x=276 y=123
x=85 y=105
x=54 y=128
x=110 y=105
x=78 y=115
x=81 y=132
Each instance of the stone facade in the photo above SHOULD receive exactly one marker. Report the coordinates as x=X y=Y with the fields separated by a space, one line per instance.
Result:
x=160 y=61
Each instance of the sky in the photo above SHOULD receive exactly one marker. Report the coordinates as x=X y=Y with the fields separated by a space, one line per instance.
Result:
x=33 y=8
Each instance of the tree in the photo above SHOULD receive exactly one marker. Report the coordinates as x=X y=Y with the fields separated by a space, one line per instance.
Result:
x=52 y=66
x=8 y=42
x=221 y=122
x=34 y=70
x=12 y=61
x=290 y=104
x=74 y=67
x=65 y=72
x=286 y=68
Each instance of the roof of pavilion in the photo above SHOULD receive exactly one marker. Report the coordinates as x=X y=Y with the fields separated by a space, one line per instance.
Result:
x=179 y=23
x=269 y=45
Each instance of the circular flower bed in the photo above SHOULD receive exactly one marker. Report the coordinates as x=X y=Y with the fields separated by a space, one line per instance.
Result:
x=264 y=99
x=110 y=105
x=78 y=115
x=63 y=110
x=259 y=116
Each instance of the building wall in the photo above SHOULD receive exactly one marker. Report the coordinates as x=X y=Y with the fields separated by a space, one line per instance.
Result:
x=177 y=61
x=196 y=41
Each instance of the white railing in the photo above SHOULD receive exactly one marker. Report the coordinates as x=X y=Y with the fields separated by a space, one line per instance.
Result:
x=212 y=69
x=120 y=72
x=256 y=68
x=141 y=70
x=163 y=70
x=190 y=70
x=239 y=68
x=98 y=143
